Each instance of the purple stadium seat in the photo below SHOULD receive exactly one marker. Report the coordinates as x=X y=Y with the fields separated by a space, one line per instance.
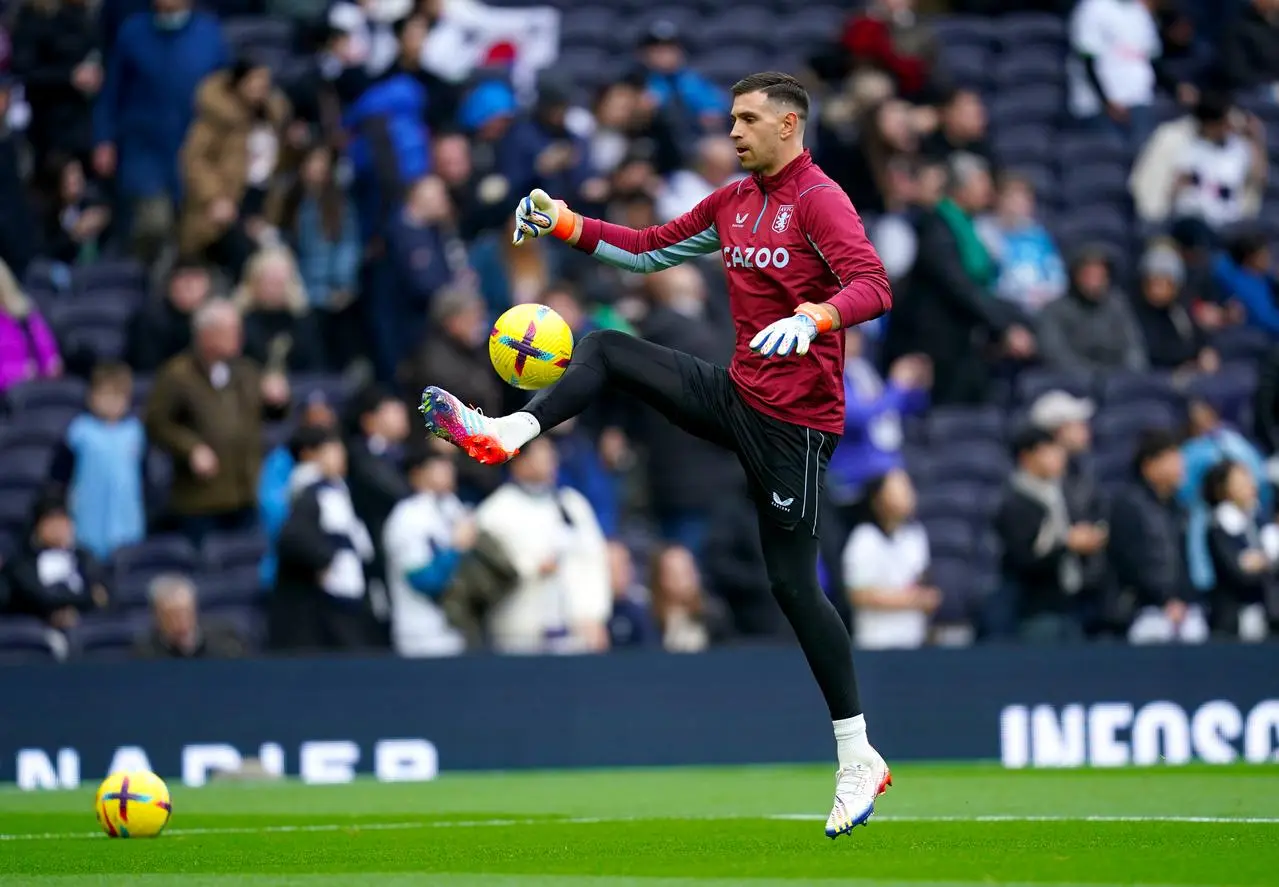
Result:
x=966 y=65
x=957 y=500
x=948 y=425
x=65 y=392
x=919 y=463
x=24 y=639
x=956 y=30
x=159 y=554
x=104 y=343
x=1041 y=103
x=120 y=274
x=1123 y=388
x=1075 y=150
x=106 y=637
x=1114 y=464
x=1242 y=343
x=948 y=537
x=959 y=584
x=15 y=505
x=1021 y=29
x=1032 y=383
x=1125 y=424
x=1230 y=390
x=982 y=462
x=230 y=550
x=25 y=465
x=234 y=587
x=1024 y=145
x=1029 y=66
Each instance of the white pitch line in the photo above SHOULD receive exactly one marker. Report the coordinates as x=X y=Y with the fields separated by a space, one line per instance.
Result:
x=596 y=820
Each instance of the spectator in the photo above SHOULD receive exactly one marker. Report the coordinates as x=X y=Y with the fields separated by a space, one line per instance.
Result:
x=885 y=568
x=378 y=426
x=1092 y=326
x=1147 y=548
x=481 y=203
x=890 y=37
x=427 y=534
x=714 y=167
x=540 y=151
x=320 y=601
x=1209 y=440
x=685 y=473
x=630 y=625
x=1031 y=272
x=963 y=128
x=141 y=119
x=161 y=328
x=320 y=224
x=76 y=217
x=1174 y=340
x=27 y=347
x=1245 y=275
x=17 y=222
x=690 y=102
x=876 y=173
x=1067 y=419
x=101 y=460
x=177 y=631
x=1222 y=170
x=53 y=578
x=370 y=31
x=273 y=483
x=947 y=311
x=873 y=411
x=280 y=333
x=205 y=410
x=1111 y=71
x=592 y=465
x=1043 y=543
x=688 y=619
x=1242 y=561
x=456 y=353
x=424 y=261
x=1248 y=53
x=561 y=600
x=56 y=55
x=228 y=161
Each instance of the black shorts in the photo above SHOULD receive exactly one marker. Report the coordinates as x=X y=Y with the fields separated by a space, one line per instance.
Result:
x=785 y=464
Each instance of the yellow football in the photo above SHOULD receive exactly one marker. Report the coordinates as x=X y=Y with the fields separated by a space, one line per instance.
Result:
x=530 y=346
x=133 y=804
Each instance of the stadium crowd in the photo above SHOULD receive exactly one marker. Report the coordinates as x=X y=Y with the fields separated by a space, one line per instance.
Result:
x=237 y=239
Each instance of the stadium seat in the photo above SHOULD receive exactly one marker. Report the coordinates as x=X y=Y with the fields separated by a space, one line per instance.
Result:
x=988 y=463
x=965 y=30
x=159 y=554
x=64 y=392
x=956 y=500
x=25 y=465
x=231 y=550
x=1039 y=29
x=103 y=343
x=1023 y=145
x=1032 y=383
x=118 y=274
x=1122 y=388
x=1114 y=464
x=106 y=637
x=234 y=587
x=1075 y=150
x=959 y=584
x=1040 y=103
x=950 y=538
x=962 y=424
x=1125 y=424
x=966 y=66
x=24 y=639
x=1030 y=66
x=1242 y=343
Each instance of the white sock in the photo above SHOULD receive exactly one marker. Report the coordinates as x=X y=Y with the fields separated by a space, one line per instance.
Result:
x=517 y=429
x=851 y=743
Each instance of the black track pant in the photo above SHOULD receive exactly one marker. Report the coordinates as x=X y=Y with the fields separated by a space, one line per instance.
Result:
x=784 y=463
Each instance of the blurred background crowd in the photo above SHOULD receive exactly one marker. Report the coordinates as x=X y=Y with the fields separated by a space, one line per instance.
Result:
x=238 y=237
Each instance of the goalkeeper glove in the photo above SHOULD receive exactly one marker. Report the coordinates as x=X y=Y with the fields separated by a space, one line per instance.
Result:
x=539 y=214
x=791 y=335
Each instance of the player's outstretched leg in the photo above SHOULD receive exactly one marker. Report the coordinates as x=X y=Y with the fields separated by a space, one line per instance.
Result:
x=605 y=358
x=791 y=558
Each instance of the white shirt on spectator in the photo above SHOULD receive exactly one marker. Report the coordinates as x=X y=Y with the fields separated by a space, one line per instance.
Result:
x=684 y=190
x=1219 y=180
x=875 y=560
x=534 y=526
x=418 y=529
x=1122 y=38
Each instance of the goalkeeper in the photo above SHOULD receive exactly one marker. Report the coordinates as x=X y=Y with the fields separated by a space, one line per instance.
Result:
x=799 y=268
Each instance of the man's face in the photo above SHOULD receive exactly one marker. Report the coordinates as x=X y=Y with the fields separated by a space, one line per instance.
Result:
x=1093 y=279
x=1166 y=470
x=966 y=116
x=175 y=617
x=759 y=128
x=224 y=339
x=188 y=290
x=664 y=58
x=56 y=531
x=1075 y=436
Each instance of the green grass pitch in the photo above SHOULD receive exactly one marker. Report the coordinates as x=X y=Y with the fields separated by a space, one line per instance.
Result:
x=713 y=827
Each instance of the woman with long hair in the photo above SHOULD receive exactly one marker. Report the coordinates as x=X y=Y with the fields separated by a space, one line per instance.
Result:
x=279 y=330
x=28 y=349
x=687 y=618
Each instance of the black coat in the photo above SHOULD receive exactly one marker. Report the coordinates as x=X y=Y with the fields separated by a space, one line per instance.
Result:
x=36 y=598
x=947 y=315
x=157 y=332
x=19 y=226
x=47 y=48
x=1248 y=54
x=1235 y=588
x=264 y=329
x=1173 y=339
x=1147 y=548
x=1037 y=573
x=685 y=473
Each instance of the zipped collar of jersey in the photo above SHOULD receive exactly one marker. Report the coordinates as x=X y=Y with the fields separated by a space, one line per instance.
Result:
x=785 y=174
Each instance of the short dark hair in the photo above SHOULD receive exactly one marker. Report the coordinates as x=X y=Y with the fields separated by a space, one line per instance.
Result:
x=1151 y=444
x=115 y=373
x=779 y=87
x=1216 y=481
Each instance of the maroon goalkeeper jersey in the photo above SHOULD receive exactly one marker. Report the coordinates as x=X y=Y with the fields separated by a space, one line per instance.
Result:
x=785 y=239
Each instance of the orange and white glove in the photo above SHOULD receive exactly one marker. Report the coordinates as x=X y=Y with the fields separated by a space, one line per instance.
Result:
x=539 y=214
x=791 y=335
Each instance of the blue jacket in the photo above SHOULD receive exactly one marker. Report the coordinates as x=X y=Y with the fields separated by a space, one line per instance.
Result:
x=582 y=469
x=1031 y=271
x=106 y=496
x=1255 y=292
x=871 y=444
x=696 y=93
x=273 y=505
x=327 y=266
x=1199 y=455
x=148 y=98
x=390 y=146
x=417 y=256
x=521 y=146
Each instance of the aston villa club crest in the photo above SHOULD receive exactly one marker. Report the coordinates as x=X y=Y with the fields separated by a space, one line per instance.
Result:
x=782 y=220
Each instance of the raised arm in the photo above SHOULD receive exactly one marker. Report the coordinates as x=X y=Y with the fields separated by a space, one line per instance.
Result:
x=835 y=230
x=643 y=251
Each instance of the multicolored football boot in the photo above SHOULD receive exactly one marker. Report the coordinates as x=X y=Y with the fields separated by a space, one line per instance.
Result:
x=856 y=788
x=477 y=435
